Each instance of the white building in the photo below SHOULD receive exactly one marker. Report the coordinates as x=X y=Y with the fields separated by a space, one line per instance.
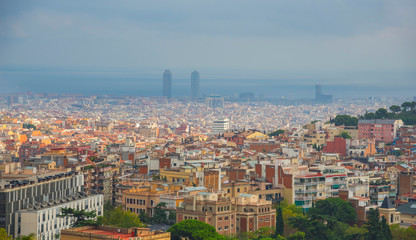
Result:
x=220 y=126
x=44 y=220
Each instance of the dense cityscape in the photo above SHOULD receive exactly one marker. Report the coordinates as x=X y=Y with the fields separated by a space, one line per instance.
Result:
x=207 y=120
x=229 y=163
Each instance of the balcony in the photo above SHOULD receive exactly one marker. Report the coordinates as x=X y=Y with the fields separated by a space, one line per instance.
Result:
x=304 y=198
x=307 y=191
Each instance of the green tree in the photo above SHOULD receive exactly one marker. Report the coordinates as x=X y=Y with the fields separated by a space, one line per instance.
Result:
x=264 y=232
x=29 y=126
x=345 y=120
x=81 y=217
x=355 y=233
x=193 y=230
x=280 y=224
x=402 y=233
x=125 y=219
x=314 y=229
x=381 y=113
x=31 y=236
x=144 y=217
x=406 y=106
x=333 y=209
x=395 y=108
x=3 y=235
x=376 y=228
x=276 y=133
x=386 y=229
x=344 y=135
x=297 y=236
x=160 y=216
x=289 y=211
x=172 y=217
x=412 y=105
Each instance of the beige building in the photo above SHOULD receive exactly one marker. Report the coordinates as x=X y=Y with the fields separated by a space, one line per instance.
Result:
x=211 y=208
x=388 y=210
x=407 y=213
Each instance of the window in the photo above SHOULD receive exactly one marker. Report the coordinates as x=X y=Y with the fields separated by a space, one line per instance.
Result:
x=238 y=190
x=219 y=229
x=226 y=218
x=226 y=227
x=267 y=219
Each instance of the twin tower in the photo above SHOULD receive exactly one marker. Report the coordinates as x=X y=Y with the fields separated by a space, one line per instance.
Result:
x=167 y=84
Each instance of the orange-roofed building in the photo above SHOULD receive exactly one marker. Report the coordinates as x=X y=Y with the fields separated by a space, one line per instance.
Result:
x=106 y=232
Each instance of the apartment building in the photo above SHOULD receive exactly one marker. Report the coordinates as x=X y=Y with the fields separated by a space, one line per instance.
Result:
x=244 y=213
x=359 y=186
x=380 y=129
x=254 y=213
x=211 y=208
x=16 y=195
x=43 y=219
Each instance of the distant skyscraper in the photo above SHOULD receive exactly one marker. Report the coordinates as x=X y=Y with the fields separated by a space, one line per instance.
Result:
x=195 y=85
x=215 y=102
x=318 y=91
x=167 y=84
x=320 y=97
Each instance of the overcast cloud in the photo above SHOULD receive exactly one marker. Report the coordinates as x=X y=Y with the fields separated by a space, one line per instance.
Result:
x=265 y=39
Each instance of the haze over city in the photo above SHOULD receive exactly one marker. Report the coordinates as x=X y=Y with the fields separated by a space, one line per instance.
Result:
x=208 y=120
x=274 y=48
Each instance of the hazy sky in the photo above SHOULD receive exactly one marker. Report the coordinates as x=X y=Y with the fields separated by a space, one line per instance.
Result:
x=355 y=41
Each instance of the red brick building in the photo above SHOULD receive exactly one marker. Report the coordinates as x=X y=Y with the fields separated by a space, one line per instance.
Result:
x=339 y=145
x=380 y=129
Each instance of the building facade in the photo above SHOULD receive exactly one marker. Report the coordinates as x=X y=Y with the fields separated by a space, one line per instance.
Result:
x=380 y=129
x=44 y=220
x=220 y=126
x=245 y=213
x=16 y=195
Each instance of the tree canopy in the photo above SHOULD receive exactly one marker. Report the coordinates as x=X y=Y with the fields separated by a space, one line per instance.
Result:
x=3 y=235
x=402 y=233
x=377 y=228
x=117 y=217
x=345 y=120
x=344 y=135
x=340 y=210
x=280 y=224
x=81 y=217
x=276 y=133
x=193 y=230
x=29 y=126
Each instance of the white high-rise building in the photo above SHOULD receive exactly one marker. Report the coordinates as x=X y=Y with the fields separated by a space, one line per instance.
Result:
x=220 y=126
